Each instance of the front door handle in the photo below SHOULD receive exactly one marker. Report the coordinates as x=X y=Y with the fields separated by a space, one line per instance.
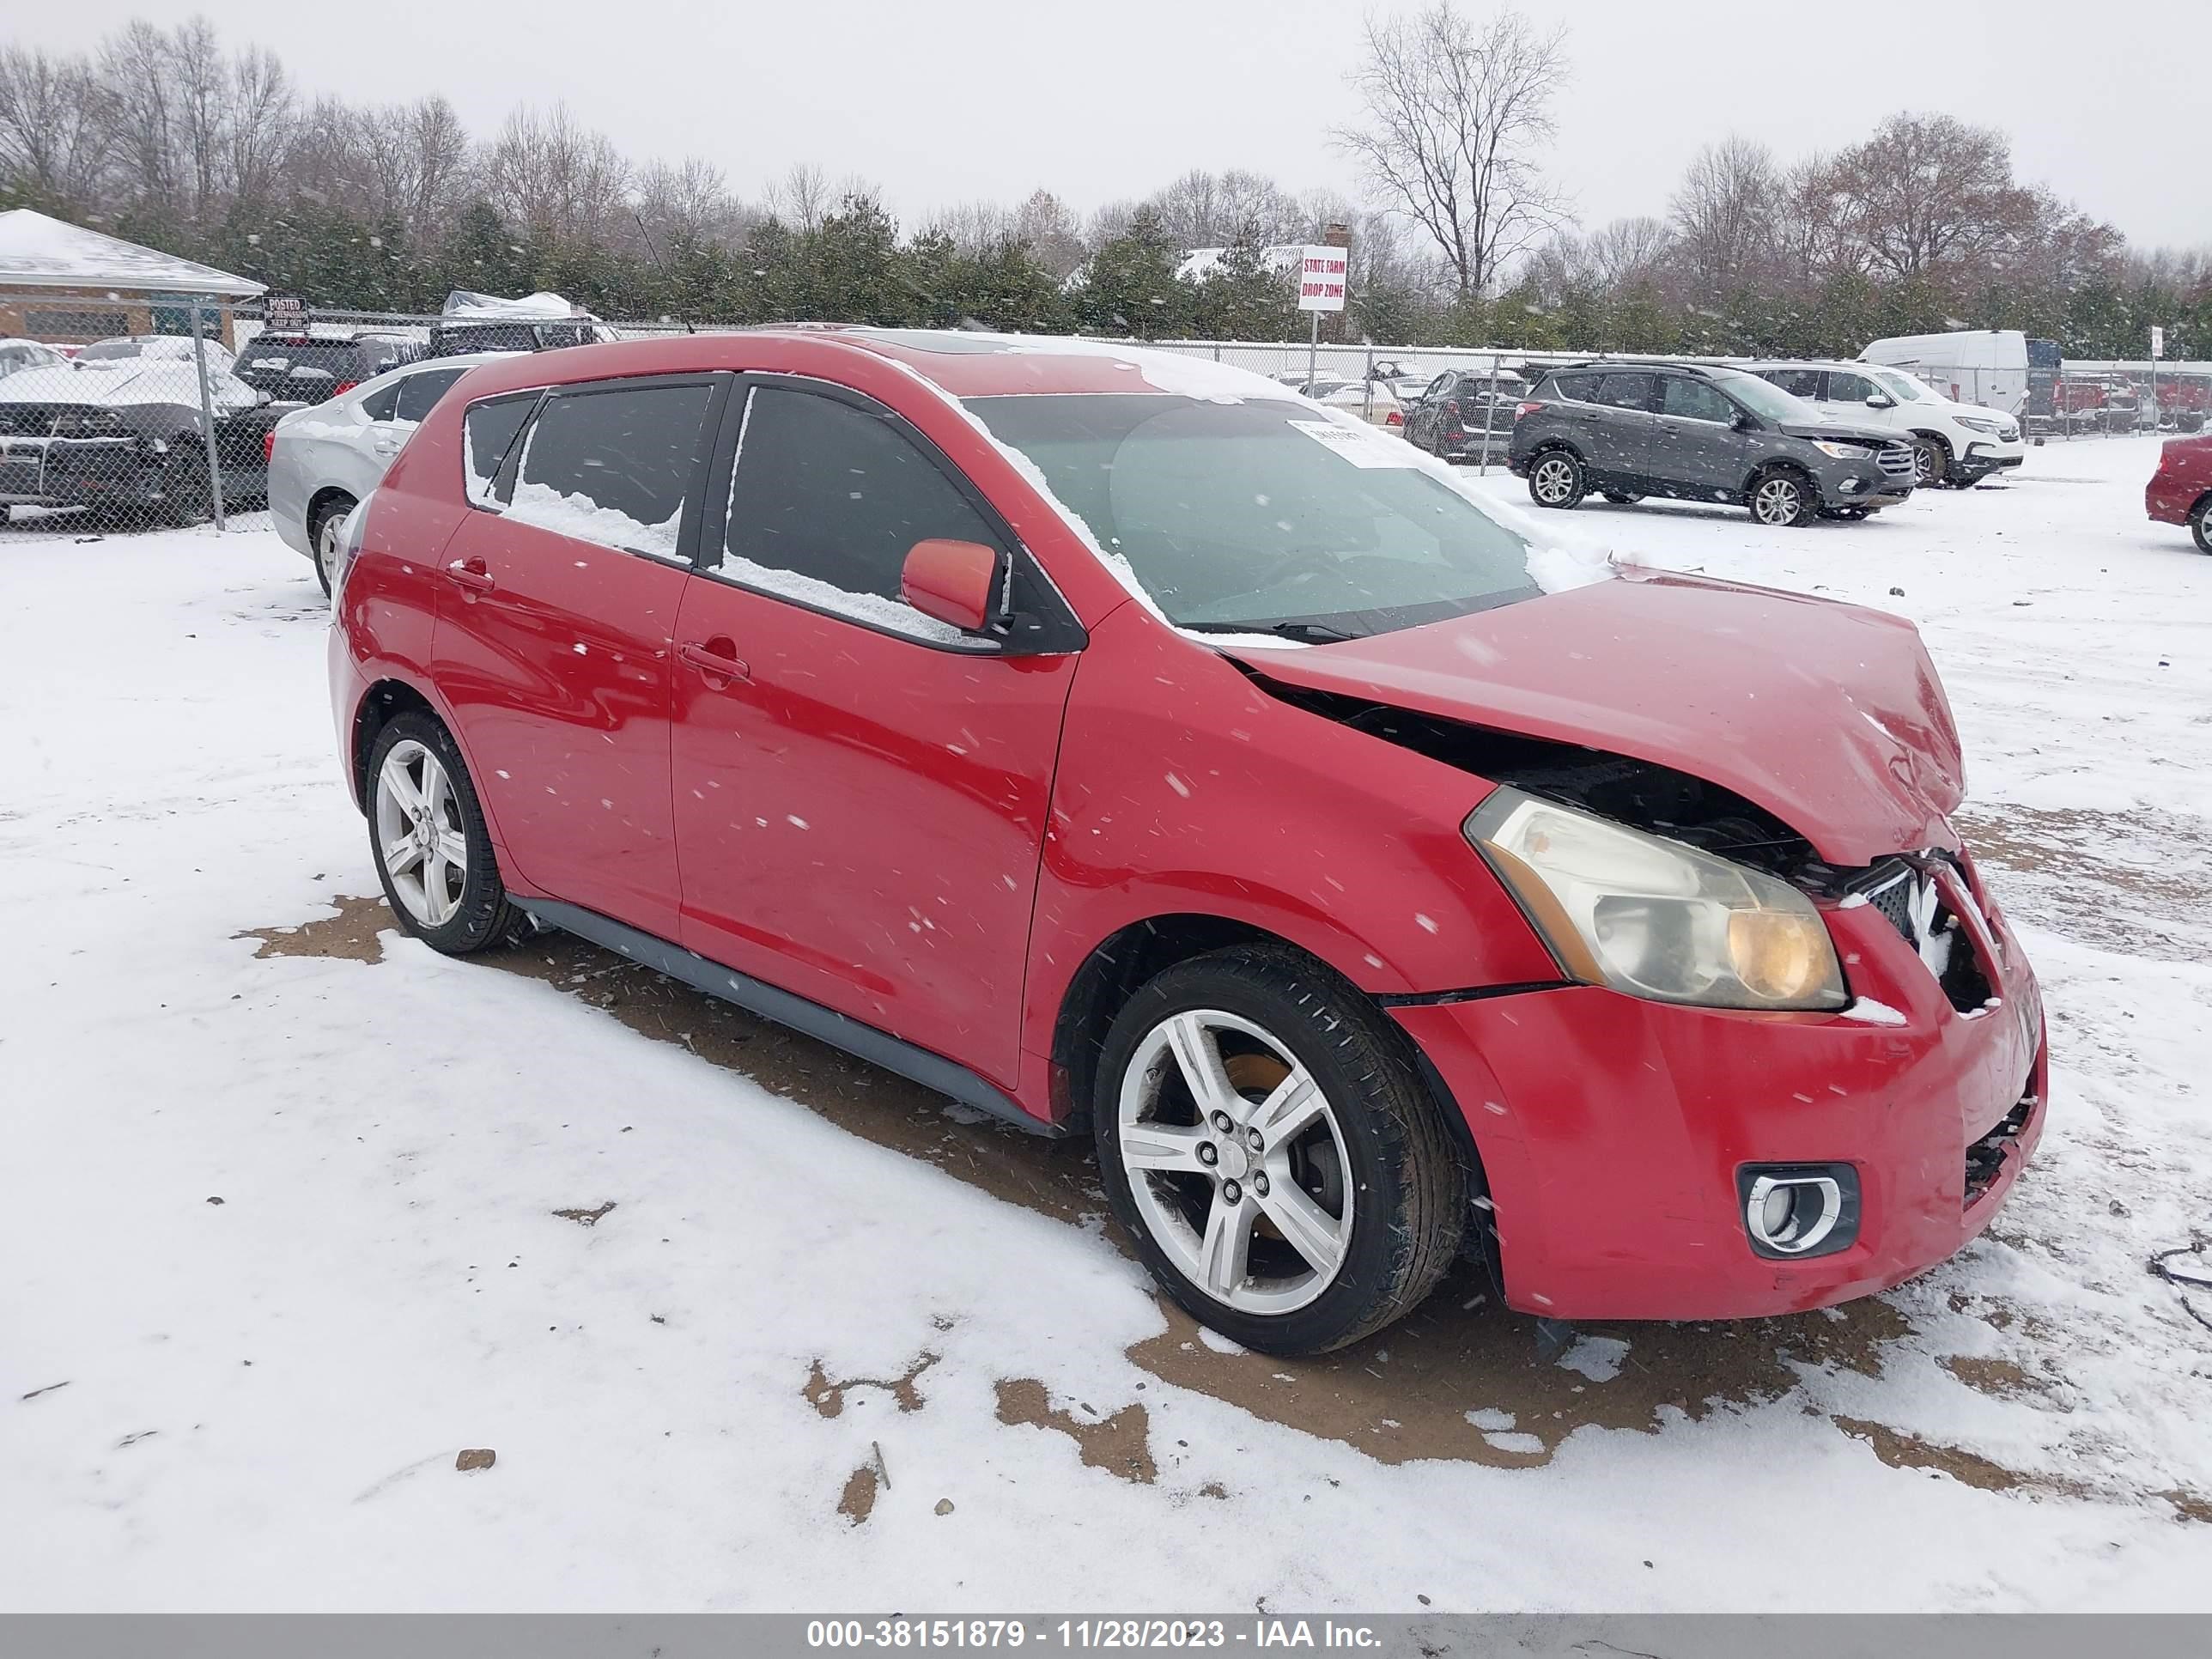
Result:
x=717 y=658
x=470 y=574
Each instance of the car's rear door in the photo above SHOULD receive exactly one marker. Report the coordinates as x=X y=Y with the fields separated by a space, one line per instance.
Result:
x=554 y=638
x=1624 y=438
x=860 y=791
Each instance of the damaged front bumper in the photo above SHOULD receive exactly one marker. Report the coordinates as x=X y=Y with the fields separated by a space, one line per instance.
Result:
x=1617 y=1133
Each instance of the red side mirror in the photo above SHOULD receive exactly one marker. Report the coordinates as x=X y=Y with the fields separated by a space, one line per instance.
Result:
x=952 y=581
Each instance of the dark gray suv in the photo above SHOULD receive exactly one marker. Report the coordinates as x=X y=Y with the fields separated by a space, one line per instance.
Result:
x=1701 y=433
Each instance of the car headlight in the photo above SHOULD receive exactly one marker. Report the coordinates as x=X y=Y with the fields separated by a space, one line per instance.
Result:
x=1655 y=917
x=1841 y=451
x=1975 y=423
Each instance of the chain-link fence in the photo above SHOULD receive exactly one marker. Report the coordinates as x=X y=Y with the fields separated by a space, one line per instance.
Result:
x=133 y=431
x=171 y=425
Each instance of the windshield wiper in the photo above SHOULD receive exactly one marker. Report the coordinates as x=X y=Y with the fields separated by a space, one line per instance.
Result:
x=1309 y=633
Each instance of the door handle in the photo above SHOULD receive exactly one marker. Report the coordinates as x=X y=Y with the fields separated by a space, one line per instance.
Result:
x=470 y=574
x=717 y=658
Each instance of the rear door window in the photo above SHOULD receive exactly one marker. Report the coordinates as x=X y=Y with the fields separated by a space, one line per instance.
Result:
x=1686 y=399
x=487 y=432
x=1637 y=390
x=419 y=393
x=825 y=503
x=616 y=466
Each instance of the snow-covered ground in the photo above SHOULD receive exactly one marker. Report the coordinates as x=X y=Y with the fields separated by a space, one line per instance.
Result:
x=293 y=1211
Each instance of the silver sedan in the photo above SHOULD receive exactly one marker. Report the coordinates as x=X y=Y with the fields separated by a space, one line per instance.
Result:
x=324 y=458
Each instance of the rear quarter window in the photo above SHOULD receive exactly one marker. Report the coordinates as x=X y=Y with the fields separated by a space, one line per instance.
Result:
x=614 y=466
x=487 y=432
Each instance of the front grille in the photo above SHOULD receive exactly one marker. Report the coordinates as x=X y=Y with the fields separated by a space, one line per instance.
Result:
x=1985 y=1159
x=1896 y=461
x=1895 y=900
x=1904 y=896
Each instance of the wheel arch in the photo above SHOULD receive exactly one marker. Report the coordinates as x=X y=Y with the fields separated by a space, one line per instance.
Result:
x=383 y=701
x=321 y=498
x=1132 y=954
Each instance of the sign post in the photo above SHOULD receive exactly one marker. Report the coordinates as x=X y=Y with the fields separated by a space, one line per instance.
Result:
x=1320 y=288
x=2157 y=351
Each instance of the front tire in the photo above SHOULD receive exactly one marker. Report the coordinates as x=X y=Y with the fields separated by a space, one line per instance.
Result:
x=324 y=525
x=1783 y=499
x=1931 y=462
x=1283 y=1171
x=187 y=493
x=432 y=845
x=1556 y=478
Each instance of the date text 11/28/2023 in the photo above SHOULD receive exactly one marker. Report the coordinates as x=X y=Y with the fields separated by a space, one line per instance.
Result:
x=1088 y=1633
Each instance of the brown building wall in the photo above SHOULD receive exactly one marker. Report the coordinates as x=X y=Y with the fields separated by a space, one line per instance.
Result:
x=64 y=316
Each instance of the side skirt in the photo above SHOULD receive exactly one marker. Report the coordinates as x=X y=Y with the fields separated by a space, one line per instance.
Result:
x=839 y=1030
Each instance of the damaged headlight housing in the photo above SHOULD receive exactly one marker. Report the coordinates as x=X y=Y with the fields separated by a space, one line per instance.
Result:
x=1655 y=917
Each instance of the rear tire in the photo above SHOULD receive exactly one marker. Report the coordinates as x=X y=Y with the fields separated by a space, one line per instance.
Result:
x=1331 y=1203
x=324 y=524
x=1557 y=479
x=433 y=848
x=2200 y=524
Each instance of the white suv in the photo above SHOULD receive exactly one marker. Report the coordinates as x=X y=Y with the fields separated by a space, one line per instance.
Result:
x=1958 y=444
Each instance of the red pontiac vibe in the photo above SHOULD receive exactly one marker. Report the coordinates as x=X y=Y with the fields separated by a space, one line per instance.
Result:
x=1114 y=740
x=2180 y=491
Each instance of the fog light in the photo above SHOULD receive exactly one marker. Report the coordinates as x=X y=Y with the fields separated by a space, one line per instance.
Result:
x=1798 y=1210
x=1851 y=486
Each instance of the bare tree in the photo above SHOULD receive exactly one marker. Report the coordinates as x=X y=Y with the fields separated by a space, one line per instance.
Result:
x=1044 y=225
x=133 y=71
x=690 y=202
x=56 y=127
x=1724 y=211
x=972 y=226
x=547 y=172
x=1929 y=190
x=1457 y=113
x=259 y=122
x=803 y=196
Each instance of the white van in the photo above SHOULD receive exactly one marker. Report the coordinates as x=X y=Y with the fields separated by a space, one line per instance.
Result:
x=1984 y=366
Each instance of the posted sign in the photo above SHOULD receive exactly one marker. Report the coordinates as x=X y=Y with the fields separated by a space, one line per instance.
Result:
x=1321 y=279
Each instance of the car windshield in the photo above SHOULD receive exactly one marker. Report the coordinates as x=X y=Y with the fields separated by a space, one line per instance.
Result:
x=1903 y=388
x=1763 y=397
x=1263 y=515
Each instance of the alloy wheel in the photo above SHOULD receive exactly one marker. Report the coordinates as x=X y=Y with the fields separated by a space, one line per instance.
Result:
x=326 y=548
x=1927 y=465
x=1554 y=481
x=1778 y=501
x=419 y=834
x=1236 y=1162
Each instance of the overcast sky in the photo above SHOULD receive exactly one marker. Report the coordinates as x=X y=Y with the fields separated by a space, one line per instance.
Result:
x=2110 y=102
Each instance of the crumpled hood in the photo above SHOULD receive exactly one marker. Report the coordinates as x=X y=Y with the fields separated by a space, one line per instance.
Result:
x=1844 y=430
x=1828 y=715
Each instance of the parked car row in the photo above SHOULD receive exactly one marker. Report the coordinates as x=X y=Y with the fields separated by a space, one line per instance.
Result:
x=118 y=429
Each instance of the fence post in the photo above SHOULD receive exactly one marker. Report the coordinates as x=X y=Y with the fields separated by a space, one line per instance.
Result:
x=207 y=418
x=1489 y=419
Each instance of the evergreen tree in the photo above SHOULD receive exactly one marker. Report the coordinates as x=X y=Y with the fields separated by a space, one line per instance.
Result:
x=1131 y=286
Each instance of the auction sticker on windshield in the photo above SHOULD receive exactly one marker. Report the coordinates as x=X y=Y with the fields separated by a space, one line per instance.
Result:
x=1358 y=445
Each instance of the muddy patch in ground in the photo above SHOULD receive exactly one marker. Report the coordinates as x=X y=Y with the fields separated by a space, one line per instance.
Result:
x=1121 y=1444
x=2139 y=883
x=1462 y=1378
x=356 y=934
x=827 y=1397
